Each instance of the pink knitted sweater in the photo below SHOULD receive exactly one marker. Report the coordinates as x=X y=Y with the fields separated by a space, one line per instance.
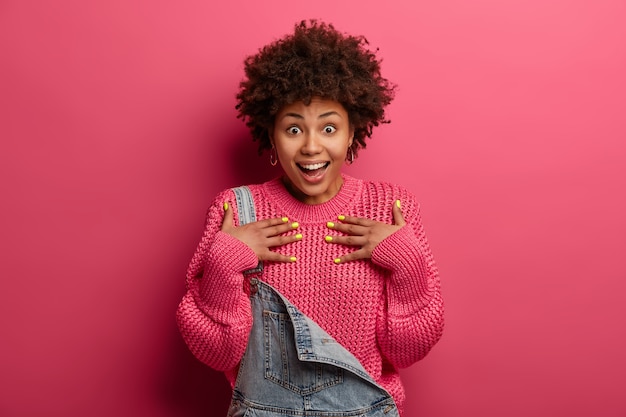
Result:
x=387 y=311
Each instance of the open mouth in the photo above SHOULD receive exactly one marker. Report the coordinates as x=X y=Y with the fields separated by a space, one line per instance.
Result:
x=313 y=170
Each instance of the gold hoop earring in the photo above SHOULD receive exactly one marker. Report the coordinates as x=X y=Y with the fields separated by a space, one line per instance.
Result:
x=273 y=156
x=350 y=156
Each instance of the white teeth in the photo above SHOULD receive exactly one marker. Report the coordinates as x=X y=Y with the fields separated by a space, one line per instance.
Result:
x=313 y=166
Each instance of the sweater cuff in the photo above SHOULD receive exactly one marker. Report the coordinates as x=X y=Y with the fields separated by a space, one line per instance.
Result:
x=221 y=286
x=410 y=285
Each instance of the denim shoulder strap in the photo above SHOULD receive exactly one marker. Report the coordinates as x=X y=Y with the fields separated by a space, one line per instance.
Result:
x=245 y=205
x=247 y=214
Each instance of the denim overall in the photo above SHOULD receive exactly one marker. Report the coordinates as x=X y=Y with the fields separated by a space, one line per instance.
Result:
x=291 y=366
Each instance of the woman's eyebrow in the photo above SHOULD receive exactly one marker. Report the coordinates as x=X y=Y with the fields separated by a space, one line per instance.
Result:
x=328 y=114
x=321 y=116
x=295 y=115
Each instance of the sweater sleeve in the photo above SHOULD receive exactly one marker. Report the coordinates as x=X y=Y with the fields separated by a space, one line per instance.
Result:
x=411 y=321
x=214 y=316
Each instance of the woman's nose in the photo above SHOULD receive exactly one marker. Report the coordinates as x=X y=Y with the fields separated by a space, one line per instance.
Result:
x=311 y=145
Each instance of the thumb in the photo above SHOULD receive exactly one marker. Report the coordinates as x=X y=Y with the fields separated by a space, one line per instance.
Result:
x=396 y=210
x=227 y=222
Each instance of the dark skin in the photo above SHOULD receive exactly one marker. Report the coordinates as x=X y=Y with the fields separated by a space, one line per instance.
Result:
x=363 y=233
x=319 y=131
x=359 y=232
x=262 y=235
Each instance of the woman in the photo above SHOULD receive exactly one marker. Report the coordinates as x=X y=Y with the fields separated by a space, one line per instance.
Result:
x=350 y=255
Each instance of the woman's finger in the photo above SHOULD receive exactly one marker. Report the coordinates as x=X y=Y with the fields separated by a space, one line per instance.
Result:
x=346 y=240
x=271 y=227
x=348 y=228
x=275 y=221
x=396 y=211
x=276 y=257
x=352 y=256
x=354 y=220
x=279 y=229
x=283 y=240
x=227 y=221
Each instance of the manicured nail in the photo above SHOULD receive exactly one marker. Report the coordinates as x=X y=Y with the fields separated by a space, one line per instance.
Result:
x=398 y=204
x=294 y=225
x=299 y=236
x=328 y=238
x=337 y=260
x=293 y=259
x=341 y=217
x=225 y=206
x=330 y=225
x=285 y=219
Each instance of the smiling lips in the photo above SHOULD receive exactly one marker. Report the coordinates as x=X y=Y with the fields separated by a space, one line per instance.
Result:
x=313 y=171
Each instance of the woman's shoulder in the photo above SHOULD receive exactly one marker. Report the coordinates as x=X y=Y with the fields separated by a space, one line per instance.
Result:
x=385 y=189
x=258 y=193
x=377 y=197
x=255 y=188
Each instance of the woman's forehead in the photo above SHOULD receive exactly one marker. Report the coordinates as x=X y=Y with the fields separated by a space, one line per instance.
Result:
x=317 y=108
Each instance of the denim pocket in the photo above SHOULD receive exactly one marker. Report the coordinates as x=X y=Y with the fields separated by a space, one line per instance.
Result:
x=282 y=365
x=384 y=411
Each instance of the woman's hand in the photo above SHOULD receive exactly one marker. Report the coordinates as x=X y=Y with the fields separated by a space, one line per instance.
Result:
x=365 y=233
x=262 y=235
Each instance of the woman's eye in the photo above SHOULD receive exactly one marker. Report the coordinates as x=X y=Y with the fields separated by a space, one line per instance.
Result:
x=330 y=129
x=293 y=130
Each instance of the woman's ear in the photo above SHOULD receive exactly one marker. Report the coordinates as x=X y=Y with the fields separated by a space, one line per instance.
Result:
x=351 y=136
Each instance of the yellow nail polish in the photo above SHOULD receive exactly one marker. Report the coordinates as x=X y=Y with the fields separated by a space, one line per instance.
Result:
x=328 y=238
x=341 y=217
x=299 y=236
x=295 y=225
x=337 y=260
x=398 y=204
x=225 y=206
x=285 y=219
x=293 y=259
x=330 y=225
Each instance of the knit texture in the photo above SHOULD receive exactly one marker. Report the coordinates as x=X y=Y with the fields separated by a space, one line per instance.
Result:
x=387 y=311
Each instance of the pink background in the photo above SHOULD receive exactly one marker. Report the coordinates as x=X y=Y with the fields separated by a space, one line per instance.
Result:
x=118 y=128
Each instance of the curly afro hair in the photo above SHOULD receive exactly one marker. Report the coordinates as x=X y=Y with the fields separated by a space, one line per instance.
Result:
x=315 y=61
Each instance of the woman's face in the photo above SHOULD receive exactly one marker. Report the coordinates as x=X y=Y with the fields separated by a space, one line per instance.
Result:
x=311 y=143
